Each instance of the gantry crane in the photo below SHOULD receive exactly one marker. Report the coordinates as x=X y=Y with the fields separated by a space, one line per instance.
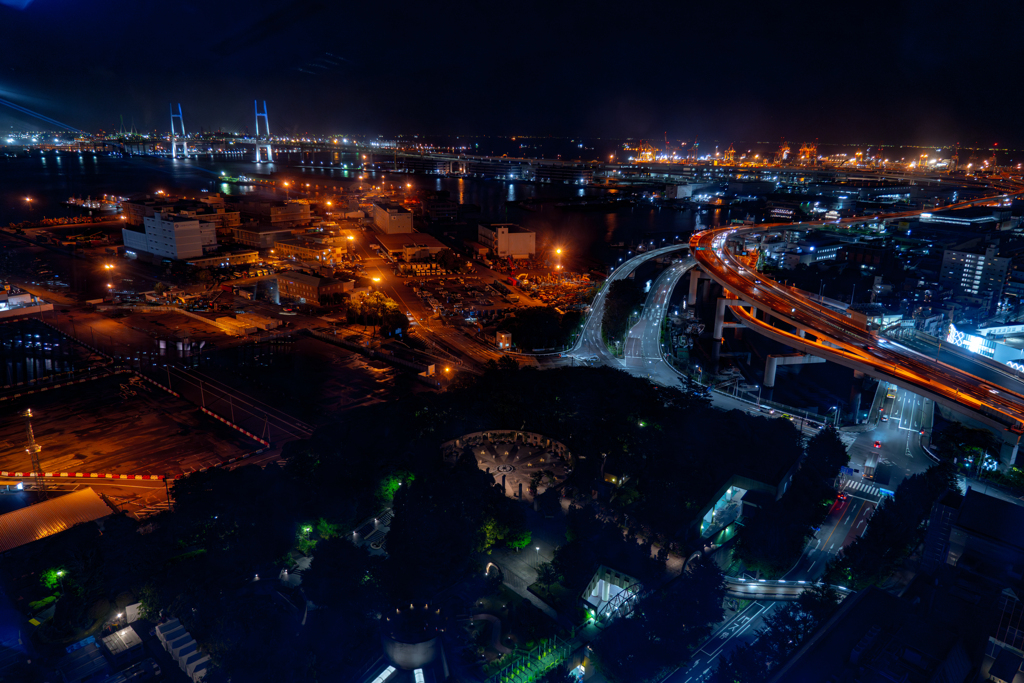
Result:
x=808 y=153
x=729 y=155
x=782 y=153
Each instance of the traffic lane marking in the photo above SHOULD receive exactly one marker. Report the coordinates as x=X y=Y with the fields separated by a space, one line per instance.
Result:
x=840 y=521
x=734 y=628
x=862 y=516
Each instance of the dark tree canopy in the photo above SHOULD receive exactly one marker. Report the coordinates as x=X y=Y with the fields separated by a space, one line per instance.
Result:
x=623 y=298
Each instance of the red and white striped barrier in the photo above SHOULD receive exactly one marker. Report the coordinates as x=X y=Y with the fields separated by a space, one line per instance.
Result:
x=235 y=427
x=82 y=475
x=58 y=385
x=209 y=412
x=155 y=383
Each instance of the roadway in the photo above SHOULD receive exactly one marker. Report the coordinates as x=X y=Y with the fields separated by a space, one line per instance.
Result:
x=838 y=338
x=642 y=350
x=847 y=519
x=643 y=347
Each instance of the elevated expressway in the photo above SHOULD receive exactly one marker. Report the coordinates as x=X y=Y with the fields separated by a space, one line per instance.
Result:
x=823 y=332
x=590 y=342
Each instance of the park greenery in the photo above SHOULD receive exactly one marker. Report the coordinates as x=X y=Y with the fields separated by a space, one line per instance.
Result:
x=214 y=559
x=541 y=327
x=773 y=539
x=970 y=448
x=622 y=300
x=450 y=261
x=897 y=527
x=665 y=627
x=377 y=309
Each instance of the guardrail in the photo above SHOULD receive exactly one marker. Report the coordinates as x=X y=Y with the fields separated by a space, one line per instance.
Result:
x=774 y=589
x=81 y=475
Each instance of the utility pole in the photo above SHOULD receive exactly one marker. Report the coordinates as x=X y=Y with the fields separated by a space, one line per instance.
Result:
x=33 y=451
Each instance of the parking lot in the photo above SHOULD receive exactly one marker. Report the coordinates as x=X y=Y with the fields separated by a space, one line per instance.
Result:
x=464 y=296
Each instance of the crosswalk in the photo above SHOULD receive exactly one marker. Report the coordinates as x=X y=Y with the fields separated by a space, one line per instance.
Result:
x=848 y=438
x=856 y=486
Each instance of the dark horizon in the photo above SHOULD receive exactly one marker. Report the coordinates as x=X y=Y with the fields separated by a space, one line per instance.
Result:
x=904 y=73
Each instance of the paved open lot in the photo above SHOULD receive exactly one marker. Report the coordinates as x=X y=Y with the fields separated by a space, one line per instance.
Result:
x=116 y=424
x=168 y=325
x=305 y=377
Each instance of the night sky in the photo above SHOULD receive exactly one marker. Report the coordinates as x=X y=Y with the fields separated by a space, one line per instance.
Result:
x=922 y=71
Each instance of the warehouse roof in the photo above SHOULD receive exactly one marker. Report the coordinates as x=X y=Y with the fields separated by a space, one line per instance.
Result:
x=50 y=517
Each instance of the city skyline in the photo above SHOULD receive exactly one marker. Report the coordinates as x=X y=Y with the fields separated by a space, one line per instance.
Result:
x=524 y=343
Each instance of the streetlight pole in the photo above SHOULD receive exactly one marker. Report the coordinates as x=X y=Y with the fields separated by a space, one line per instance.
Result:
x=759 y=395
x=537 y=548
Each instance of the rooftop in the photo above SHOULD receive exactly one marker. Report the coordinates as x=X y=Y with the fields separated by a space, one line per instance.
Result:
x=302 y=278
x=261 y=228
x=122 y=641
x=50 y=517
x=511 y=227
x=992 y=518
x=390 y=206
x=399 y=240
x=305 y=243
x=855 y=636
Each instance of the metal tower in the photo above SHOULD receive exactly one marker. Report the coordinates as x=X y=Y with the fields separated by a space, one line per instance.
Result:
x=782 y=153
x=174 y=135
x=33 y=451
x=809 y=153
x=266 y=131
x=729 y=156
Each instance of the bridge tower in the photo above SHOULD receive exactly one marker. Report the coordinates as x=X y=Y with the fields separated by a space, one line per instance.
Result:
x=174 y=136
x=266 y=130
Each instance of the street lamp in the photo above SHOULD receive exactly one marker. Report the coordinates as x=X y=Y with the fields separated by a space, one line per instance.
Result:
x=537 y=548
x=60 y=575
x=758 y=394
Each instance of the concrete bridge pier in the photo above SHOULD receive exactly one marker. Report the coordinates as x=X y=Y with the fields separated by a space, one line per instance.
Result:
x=720 y=318
x=855 y=398
x=775 y=360
x=1008 y=451
x=696 y=275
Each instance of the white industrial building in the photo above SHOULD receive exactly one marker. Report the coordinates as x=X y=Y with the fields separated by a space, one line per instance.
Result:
x=507 y=239
x=171 y=235
x=390 y=218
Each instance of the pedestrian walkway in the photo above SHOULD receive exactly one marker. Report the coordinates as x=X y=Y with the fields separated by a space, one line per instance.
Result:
x=856 y=486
